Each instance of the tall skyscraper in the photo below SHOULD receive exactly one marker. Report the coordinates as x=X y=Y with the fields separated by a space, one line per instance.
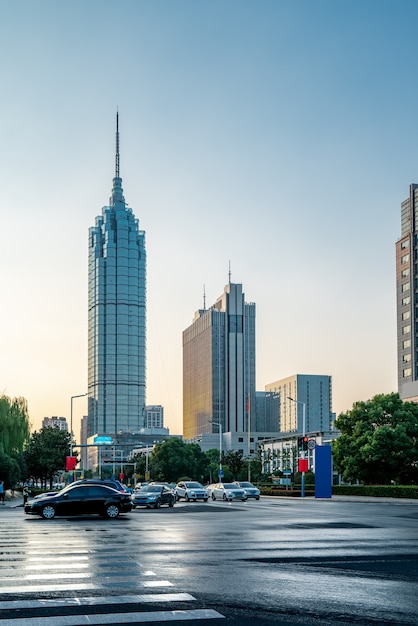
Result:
x=219 y=366
x=407 y=297
x=117 y=317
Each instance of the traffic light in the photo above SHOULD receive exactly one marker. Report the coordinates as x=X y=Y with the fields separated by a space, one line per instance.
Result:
x=300 y=443
x=305 y=440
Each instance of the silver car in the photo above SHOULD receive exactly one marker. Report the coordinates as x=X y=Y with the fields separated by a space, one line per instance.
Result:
x=227 y=491
x=250 y=490
x=191 y=490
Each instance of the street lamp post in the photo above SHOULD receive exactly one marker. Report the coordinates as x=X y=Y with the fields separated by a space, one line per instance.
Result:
x=220 y=448
x=302 y=493
x=81 y=395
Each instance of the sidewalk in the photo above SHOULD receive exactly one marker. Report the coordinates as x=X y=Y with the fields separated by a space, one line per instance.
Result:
x=12 y=502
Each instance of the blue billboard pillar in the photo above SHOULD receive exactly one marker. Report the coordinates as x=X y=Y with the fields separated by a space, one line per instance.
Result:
x=323 y=472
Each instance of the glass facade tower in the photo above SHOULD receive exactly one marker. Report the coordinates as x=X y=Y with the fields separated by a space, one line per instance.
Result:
x=116 y=317
x=407 y=297
x=219 y=366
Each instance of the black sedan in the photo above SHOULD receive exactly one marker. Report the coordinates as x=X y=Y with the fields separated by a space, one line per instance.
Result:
x=81 y=499
x=153 y=496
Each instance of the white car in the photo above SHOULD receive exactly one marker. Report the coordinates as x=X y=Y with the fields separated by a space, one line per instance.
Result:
x=191 y=490
x=227 y=491
x=250 y=490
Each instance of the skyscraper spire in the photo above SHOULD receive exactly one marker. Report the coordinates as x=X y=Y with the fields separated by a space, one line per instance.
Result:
x=117 y=191
x=117 y=163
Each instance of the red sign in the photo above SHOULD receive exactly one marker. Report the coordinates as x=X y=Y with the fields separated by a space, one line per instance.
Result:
x=121 y=476
x=303 y=465
x=70 y=463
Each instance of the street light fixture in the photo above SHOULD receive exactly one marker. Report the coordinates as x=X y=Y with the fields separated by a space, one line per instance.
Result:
x=302 y=493
x=81 y=395
x=220 y=473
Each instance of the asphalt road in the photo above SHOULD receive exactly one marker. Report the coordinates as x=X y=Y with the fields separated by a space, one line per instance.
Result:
x=276 y=561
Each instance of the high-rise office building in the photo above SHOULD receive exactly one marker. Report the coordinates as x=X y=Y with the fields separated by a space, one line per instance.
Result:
x=117 y=316
x=219 y=366
x=407 y=297
x=289 y=398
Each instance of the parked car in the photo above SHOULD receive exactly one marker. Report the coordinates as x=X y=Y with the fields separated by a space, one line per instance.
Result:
x=81 y=499
x=191 y=490
x=153 y=496
x=227 y=491
x=250 y=490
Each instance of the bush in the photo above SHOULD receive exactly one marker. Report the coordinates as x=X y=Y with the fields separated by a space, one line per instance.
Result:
x=376 y=491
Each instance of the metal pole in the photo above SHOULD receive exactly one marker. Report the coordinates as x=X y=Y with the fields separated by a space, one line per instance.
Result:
x=302 y=491
x=81 y=395
x=303 y=451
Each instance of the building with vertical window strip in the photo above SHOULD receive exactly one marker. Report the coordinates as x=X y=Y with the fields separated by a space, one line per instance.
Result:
x=286 y=399
x=219 y=366
x=406 y=297
x=116 y=317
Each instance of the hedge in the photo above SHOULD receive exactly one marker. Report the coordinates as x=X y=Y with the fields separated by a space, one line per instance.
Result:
x=377 y=491
x=373 y=491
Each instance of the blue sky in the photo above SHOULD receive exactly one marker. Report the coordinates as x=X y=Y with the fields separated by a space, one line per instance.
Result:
x=276 y=136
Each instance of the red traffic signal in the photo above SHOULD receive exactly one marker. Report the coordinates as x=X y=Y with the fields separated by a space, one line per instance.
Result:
x=305 y=440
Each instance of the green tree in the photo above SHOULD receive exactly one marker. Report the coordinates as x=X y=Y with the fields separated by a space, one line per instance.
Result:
x=46 y=453
x=173 y=459
x=378 y=442
x=234 y=460
x=14 y=434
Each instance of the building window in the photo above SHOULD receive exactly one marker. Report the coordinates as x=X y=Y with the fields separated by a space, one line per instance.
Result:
x=407 y=372
x=406 y=330
x=405 y=244
x=405 y=259
x=240 y=439
x=405 y=272
x=406 y=315
x=406 y=358
x=406 y=300
x=406 y=343
x=405 y=287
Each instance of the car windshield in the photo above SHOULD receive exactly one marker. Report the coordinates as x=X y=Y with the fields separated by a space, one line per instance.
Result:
x=154 y=488
x=230 y=486
x=193 y=485
x=246 y=485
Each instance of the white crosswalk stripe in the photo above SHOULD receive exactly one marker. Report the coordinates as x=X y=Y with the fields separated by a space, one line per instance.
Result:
x=84 y=572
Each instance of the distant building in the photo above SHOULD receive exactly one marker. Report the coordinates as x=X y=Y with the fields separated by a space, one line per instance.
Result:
x=116 y=317
x=219 y=366
x=219 y=376
x=55 y=422
x=154 y=416
x=407 y=298
x=311 y=394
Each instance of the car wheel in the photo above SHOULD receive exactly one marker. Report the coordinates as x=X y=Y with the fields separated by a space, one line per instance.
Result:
x=257 y=497
x=213 y=497
x=157 y=504
x=205 y=499
x=48 y=511
x=171 y=503
x=187 y=498
x=244 y=499
x=224 y=496
x=112 y=511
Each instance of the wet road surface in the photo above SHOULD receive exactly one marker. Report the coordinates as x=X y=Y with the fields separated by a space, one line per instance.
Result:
x=276 y=561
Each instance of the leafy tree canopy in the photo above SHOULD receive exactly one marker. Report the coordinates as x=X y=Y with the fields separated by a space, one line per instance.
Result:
x=173 y=458
x=46 y=453
x=378 y=442
x=14 y=425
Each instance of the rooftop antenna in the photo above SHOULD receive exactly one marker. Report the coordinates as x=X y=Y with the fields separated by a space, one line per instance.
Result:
x=229 y=273
x=204 y=298
x=117 y=163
